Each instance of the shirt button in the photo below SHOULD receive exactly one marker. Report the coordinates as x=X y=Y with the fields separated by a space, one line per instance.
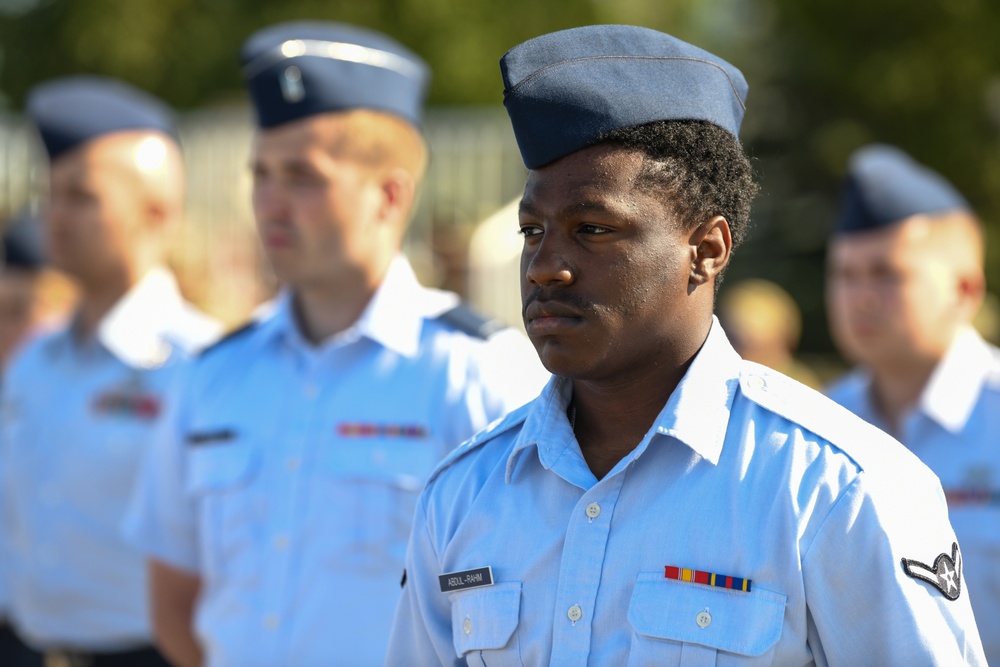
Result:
x=293 y=463
x=593 y=510
x=281 y=542
x=467 y=626
x=311 y=391
x=703 y=619
x=574 y=613
x=271 y=621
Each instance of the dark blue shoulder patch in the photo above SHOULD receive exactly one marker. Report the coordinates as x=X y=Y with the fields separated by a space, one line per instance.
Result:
x=229 y=337
x=464 y=318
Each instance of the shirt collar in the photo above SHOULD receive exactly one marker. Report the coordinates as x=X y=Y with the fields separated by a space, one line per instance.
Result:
x=696 y=414
x=393 y=318
x=954 y=387
x=134 y=329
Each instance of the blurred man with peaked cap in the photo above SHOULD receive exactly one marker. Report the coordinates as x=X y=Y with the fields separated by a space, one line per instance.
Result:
x=664 y=501
x=79 y=404
x=33 y=296
x=905 y=279
x=278 y=503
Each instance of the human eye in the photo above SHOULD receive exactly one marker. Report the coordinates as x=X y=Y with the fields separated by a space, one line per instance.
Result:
x=528 y=231
x=592 y=229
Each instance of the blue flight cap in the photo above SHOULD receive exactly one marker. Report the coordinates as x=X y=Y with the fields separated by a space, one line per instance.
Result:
x=300 y=69
x=22 y=242
x=566 y=89
x=885 y=186
x=72 y=111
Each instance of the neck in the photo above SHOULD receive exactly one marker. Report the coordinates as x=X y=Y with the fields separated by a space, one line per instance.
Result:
x=324 y=311
x=612 y=419
x=896 y=390
x=98 y=297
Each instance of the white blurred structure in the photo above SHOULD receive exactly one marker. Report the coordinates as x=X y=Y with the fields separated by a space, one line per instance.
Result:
x=494 y=266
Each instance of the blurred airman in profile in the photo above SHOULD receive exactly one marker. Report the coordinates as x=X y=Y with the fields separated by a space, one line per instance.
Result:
x=79 y=402
x=905 y=280
x=764 y=325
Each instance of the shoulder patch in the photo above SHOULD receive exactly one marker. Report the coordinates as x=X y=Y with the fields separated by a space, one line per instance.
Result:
x=227 y=338
x=500 y=426
x=469 y=321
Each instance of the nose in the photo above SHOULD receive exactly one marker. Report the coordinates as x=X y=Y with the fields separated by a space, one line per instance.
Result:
x=546 y=262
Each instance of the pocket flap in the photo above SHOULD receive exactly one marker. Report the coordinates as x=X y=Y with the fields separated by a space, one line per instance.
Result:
x=484 y=619
x=402 y=463
x=737 y=622
x=219 y=467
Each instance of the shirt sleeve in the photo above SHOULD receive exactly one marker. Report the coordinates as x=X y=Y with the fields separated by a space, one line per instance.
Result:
x=161 y=518
x=421 y=631
x=863 y=607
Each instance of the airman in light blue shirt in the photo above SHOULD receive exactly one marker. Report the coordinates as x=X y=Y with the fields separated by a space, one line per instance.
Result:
x=664 y=502
x=905 y=279
x=278 y=500
x=79 y=404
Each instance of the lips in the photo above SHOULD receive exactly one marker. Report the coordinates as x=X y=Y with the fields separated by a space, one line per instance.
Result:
x=541 y=317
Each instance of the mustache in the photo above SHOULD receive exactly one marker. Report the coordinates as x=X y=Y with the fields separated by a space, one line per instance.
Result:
x=547 y=298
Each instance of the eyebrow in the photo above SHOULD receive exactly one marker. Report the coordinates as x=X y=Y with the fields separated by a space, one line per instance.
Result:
x=586 y=206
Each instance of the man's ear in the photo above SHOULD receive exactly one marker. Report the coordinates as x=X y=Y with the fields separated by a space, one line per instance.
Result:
x=711 y=246
x=398 y=192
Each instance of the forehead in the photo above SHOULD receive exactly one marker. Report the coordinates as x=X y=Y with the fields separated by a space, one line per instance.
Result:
x=110 y=156
x=606 y=174
x=300 y=139
x=904 y=242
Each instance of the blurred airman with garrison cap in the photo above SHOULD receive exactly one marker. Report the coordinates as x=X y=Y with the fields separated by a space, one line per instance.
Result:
x=80 y=403
x=905 y=280
x=663 y=501
x=278 y=505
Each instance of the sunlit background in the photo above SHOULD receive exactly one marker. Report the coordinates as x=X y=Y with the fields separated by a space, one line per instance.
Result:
x=826 y=76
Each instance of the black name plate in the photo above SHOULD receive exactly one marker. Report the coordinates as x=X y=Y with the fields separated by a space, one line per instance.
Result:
x=459 y=581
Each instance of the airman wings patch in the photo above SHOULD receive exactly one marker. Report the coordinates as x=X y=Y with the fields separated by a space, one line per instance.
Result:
x=945 y=575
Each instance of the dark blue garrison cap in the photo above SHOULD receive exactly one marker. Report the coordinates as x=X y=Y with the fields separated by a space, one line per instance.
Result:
x=22 y=242
x=565 y=89
x=72 y=111
x=300 y=69
x=885 y=186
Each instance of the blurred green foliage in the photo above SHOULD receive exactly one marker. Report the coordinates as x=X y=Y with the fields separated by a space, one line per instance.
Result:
x=826 y=76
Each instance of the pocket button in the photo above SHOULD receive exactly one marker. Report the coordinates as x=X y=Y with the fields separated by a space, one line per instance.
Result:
x=703 y=619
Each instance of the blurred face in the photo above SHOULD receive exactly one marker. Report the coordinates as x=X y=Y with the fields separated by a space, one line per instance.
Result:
x=891 y=298
x=605 y=270
x=315 y=210
x=95 y=205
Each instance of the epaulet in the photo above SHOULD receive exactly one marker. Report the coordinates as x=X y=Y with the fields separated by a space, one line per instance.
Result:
x=467 y=320
x=236 y=333
x=498 y=427
x=814 y=412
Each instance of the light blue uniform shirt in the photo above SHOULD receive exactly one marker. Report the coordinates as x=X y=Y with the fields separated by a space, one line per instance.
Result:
x=288 y=478
x=744 y=474
x=76 y=419
x=955 y=430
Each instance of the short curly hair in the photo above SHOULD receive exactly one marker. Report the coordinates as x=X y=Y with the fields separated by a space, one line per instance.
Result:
x=700 y=167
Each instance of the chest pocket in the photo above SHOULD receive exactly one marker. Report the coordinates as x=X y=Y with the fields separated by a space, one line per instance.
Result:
x=219 y=467
x=218 y=478
x=483 y=621
x=695 y=625
x=374 y=483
